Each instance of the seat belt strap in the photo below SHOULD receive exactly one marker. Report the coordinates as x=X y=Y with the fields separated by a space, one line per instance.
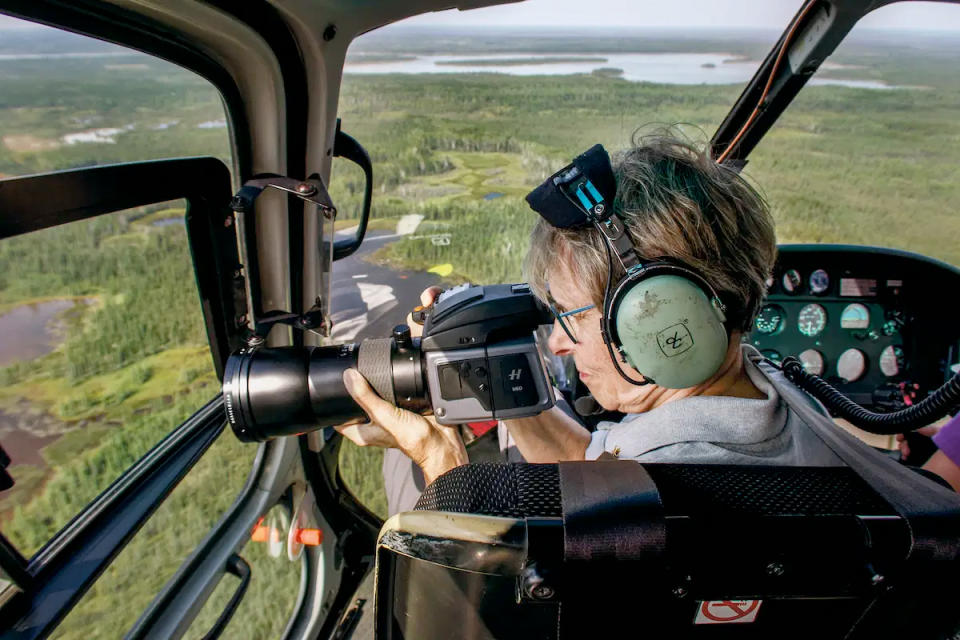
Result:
x=930 y=509
x=611 y=512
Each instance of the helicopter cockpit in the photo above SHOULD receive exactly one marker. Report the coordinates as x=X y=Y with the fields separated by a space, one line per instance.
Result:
x=181 y=476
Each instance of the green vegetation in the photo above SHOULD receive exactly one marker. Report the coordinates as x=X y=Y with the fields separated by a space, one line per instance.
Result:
x=131 y=368
x=360 y=467
x=609 y=72
x=153 y=108
x=182 y=521
x=842 y=165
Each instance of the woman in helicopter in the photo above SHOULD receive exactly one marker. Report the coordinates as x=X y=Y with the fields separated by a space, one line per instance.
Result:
x=687 y=215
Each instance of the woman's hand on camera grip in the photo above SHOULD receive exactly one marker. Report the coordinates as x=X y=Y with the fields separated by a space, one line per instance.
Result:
x=426 y=300
x=435 y=449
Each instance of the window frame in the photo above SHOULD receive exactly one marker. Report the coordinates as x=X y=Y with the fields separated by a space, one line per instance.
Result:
x=58 y=575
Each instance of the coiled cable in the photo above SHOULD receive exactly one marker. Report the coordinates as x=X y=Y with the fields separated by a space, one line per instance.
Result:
x=933 y=407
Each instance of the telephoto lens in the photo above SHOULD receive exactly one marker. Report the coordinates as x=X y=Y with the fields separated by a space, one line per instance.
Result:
x=272 y=392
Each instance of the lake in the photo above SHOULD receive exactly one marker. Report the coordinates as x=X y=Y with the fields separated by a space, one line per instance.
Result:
x=664 y=68
x=661 y=68
x=28 y=332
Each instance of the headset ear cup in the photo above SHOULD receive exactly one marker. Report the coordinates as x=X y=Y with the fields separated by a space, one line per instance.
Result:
x=668 y=328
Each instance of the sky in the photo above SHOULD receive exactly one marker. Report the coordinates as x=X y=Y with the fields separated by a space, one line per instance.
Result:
x=668 y=13
x=685 y=13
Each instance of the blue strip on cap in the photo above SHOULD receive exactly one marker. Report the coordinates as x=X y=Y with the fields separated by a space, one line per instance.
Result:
x=583 y=199
x=593 y=192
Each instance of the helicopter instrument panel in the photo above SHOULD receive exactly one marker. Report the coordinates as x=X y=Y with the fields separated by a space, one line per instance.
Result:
x=868 y=320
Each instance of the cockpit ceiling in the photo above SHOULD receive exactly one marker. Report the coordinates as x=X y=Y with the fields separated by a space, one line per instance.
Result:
x=359 y=16
x=364 y=15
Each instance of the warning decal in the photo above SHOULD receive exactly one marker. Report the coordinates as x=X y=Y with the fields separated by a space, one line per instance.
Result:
x=724 y=611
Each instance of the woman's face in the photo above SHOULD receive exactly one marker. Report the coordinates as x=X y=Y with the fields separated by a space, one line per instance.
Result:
x=589 y=353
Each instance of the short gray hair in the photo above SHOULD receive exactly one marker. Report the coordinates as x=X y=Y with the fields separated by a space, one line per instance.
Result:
x=676 y=202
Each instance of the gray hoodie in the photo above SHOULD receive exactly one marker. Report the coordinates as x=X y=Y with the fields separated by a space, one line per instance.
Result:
x=717 y=429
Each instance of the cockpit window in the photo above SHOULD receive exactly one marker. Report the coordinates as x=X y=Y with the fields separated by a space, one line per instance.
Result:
x=103 y=349
x=867 y=152
x=102 y=331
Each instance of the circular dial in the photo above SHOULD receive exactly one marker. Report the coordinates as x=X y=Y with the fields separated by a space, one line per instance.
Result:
x=855 y=316
x=891 y=360
x=770 y=319
x=792 y=281
x=812 y=361
x=852 y=365
x=819 y=282
x=812 y=320
x=772 y=355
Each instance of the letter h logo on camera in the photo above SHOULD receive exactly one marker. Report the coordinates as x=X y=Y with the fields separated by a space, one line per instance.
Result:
x=675 y=340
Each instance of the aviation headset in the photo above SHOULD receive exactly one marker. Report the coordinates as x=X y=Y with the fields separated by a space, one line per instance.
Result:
x=662 y=317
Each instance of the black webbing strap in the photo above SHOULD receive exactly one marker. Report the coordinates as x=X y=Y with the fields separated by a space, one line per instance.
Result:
x=611 y=512
x=932 y=512
x=614 y=545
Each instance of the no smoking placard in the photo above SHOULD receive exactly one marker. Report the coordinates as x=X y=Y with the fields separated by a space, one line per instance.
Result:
x=727 y=611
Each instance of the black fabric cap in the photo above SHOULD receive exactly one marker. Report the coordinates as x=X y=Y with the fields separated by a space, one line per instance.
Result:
x=550 y=201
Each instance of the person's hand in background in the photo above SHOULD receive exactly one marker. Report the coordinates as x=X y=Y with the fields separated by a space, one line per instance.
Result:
x=917 y=447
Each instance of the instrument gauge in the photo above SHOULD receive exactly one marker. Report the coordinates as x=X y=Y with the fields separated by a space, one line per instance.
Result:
x=812 y=320
x=855 y=316
x=812 y=361
x=791 y=281
x=819 y=282
x=770 y=320
x=852 y=365
x=891 y=360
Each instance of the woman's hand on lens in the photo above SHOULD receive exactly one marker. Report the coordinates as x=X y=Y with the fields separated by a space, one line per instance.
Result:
x=435 y=449
x=427 y=298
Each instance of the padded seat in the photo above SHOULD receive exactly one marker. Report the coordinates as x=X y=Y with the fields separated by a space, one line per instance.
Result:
x=618 y=548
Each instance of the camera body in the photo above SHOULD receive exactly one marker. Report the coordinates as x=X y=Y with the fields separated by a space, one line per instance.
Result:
x=477 y=360
x=481 y=359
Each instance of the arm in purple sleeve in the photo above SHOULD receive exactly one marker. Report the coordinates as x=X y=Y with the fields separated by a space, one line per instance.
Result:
x=948 y=439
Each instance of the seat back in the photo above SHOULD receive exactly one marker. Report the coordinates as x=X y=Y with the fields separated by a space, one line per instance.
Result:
x=608 y=548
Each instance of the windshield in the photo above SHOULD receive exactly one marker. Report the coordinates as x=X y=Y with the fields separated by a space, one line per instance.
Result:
x=463 y=113
x=867 y=153
x=463 y=117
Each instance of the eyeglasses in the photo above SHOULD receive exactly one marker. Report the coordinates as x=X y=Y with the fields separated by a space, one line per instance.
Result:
x=567 y=324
